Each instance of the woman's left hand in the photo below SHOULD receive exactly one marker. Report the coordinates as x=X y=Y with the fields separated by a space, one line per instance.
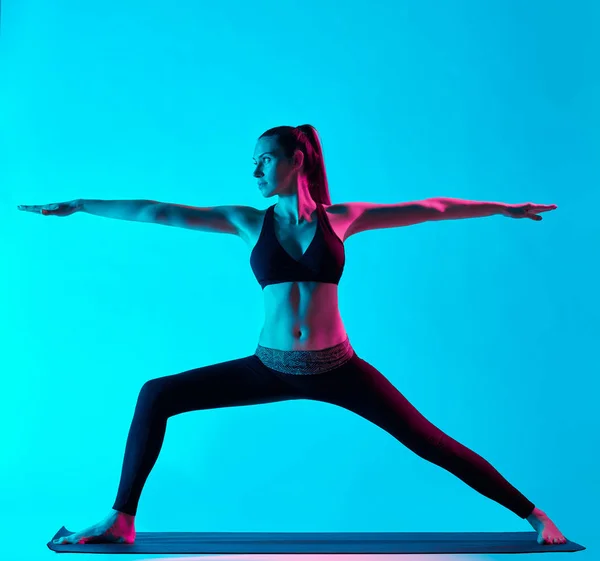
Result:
x=527 y=210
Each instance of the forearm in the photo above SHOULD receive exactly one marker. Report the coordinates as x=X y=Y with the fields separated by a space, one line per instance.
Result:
x=135 y=210
x=452 y=209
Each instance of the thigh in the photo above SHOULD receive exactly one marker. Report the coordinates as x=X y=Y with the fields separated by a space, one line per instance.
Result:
x=242 y=381
x=361 y=388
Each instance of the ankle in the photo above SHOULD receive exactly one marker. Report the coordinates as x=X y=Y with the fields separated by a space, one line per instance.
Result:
x=536 y=514
x=123 y=515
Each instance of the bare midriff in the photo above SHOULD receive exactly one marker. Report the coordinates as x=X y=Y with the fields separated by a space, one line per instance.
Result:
x=301 y=316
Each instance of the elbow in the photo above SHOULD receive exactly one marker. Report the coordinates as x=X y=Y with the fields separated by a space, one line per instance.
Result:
x=434 y=209
x=154 y=212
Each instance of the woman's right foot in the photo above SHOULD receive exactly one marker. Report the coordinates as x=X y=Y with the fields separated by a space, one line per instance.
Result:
x=117 y=527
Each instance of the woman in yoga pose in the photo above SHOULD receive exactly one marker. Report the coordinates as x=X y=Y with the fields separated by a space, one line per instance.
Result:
x=297 y=255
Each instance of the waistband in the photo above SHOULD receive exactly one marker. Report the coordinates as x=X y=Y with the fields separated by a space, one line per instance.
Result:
x=306 y=362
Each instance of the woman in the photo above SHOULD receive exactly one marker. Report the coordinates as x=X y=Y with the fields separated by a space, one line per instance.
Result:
x=303 y=350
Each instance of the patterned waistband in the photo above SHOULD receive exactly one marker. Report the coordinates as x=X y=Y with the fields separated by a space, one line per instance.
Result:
x=306 y=362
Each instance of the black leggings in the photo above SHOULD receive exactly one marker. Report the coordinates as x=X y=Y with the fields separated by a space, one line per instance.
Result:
x=355 y=385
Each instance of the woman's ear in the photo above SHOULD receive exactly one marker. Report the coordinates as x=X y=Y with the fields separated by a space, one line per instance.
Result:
x=298 y=159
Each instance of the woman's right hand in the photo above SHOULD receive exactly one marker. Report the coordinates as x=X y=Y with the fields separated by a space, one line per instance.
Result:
x=54 y=209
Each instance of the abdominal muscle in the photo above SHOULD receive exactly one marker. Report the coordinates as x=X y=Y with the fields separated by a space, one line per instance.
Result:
x=301 y=316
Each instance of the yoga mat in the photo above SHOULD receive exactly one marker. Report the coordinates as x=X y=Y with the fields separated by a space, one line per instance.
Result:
x=321 y=542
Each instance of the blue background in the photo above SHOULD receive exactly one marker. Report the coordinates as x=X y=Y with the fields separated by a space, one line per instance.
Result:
x=488 y=326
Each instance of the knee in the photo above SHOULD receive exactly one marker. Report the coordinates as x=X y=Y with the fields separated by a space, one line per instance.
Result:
x=151 y=391
x=149 y=386
x=152 y=399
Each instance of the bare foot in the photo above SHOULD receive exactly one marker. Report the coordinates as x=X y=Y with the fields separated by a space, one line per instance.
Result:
x=548 y=533
x=117 y=527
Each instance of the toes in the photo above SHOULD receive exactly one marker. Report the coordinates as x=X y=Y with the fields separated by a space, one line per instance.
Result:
x=89 y=539
x=64 y=540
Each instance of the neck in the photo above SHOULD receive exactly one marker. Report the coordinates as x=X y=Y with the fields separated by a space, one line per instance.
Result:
x=298 y=206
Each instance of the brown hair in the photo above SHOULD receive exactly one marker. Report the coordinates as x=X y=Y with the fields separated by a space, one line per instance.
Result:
x=306 y=139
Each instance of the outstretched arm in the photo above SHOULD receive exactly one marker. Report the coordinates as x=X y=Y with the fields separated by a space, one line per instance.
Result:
x=452 y=209
x=371 y=216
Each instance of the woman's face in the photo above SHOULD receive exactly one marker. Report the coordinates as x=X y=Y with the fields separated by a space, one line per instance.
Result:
x=273 y=171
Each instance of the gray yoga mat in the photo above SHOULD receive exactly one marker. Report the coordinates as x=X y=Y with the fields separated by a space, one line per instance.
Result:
x=321 y=542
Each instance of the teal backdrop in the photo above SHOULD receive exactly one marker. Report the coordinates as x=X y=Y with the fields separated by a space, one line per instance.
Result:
x=488 y=326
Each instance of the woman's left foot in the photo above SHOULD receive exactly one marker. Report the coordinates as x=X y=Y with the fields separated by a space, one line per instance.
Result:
x=548 y=533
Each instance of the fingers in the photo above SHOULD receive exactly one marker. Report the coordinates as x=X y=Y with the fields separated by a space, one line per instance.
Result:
x=39 y=209
x=31 y=208
x=544 y=208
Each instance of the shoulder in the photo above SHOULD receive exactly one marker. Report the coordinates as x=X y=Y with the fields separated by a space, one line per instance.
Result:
x=245 y=219
x=250 y=212
x=242 y=216
x=248 y=218
x=343 y=213
x=338 y=209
